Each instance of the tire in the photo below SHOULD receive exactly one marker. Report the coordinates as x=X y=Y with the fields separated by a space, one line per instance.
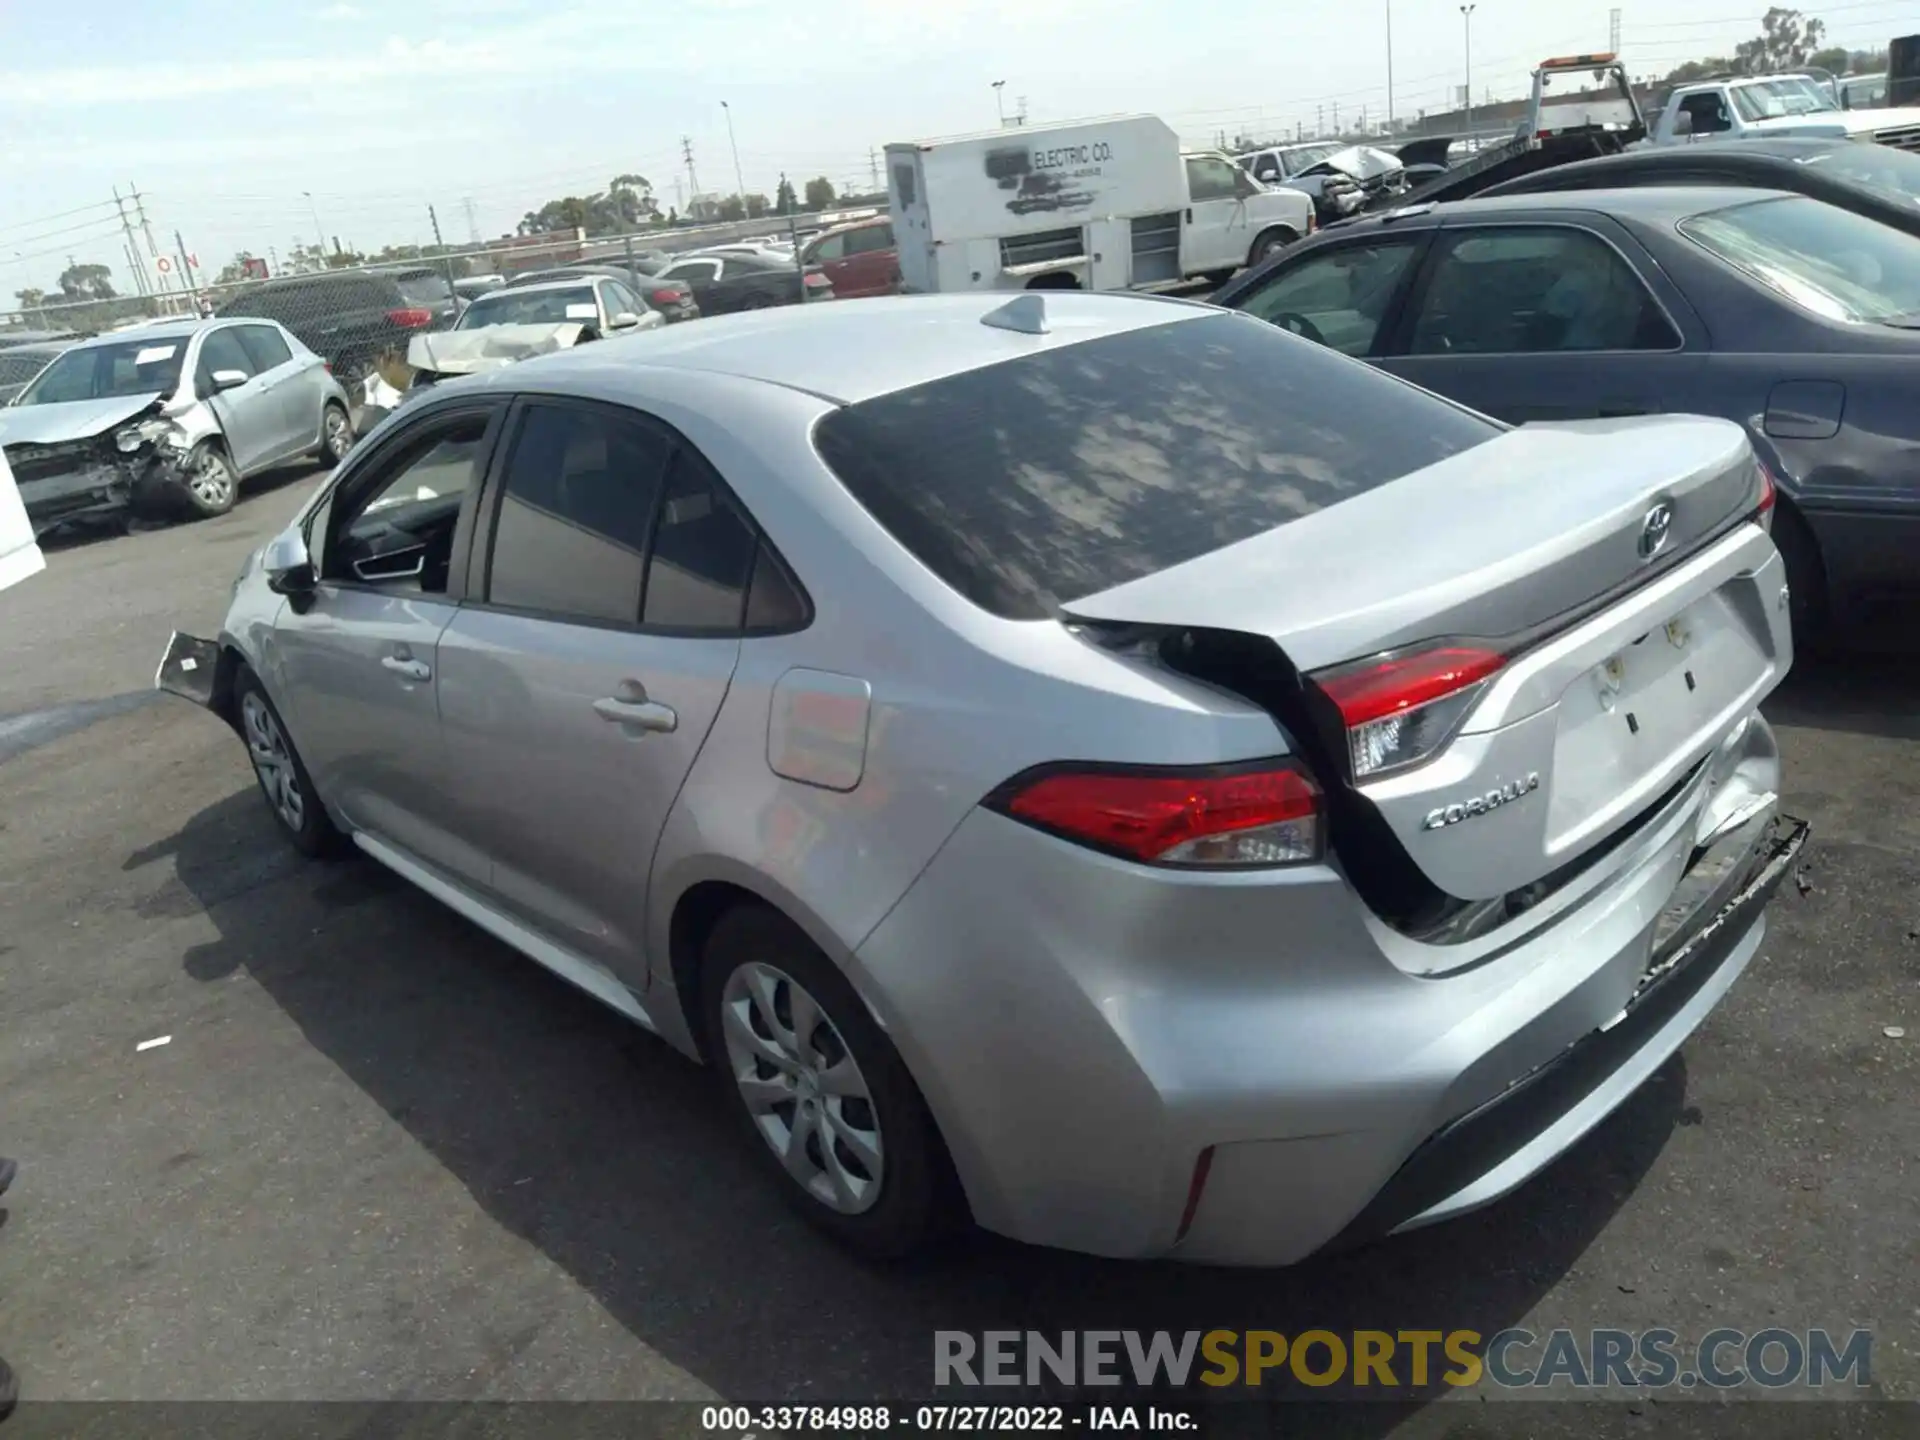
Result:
x=1054 y=280
x=1808 y=607
x=211 y=485
x=284 y=782
x=336 y=433
x=1270 y=243
x=885 y=1188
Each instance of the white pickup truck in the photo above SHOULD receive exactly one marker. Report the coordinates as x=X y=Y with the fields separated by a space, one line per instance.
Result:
x=1743 y=107
x=1110 y=204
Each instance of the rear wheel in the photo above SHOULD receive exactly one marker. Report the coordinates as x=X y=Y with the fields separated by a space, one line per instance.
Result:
x=282 y=774
x=212 y=484
x=336 y=433
x=834 y=1117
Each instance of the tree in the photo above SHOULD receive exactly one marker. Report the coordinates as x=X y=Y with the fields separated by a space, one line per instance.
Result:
x=730 y=209
x=757 y=206
x=1834 y=58
x=626 y=204
x=87 y=282
x=784 y=201
x=1785 y=42
x=819 y=193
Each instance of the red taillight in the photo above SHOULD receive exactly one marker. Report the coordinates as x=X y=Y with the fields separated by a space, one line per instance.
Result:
x=411 y=317
x=1769 y=490
x=816 y=279
x=666 y=297
x=1400 y=709
x=1238 y=818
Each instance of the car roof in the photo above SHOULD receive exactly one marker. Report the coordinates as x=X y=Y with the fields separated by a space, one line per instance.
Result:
x=159 y=330
x=540 y=285
x=1654 y=204
x=854 y=350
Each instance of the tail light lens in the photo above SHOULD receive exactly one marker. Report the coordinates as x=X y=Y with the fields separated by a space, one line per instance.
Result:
x=666 y=297
x=411 y=317
x=1769 y=490
x=1246 y=817
x=1400 y=709
x=815 y=280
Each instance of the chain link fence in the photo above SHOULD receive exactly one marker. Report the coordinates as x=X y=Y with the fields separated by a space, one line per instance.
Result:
x=360 y=317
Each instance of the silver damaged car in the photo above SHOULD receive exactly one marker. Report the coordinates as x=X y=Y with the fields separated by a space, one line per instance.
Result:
x=1096 y=765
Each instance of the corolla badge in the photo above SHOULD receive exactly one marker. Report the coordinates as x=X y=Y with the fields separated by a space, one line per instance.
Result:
x=1440 y=817
x=1655 y=529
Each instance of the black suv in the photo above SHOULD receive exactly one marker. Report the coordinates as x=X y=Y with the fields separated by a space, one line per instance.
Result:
x=351 y=318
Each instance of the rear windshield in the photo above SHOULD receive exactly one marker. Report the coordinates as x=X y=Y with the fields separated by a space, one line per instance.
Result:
x=1831 y=261
x=1893 y=172
x=429 y=288
x=1040 y=481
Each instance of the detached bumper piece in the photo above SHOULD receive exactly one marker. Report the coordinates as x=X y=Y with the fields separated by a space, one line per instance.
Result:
x=188 y=669
x=1462 y=1151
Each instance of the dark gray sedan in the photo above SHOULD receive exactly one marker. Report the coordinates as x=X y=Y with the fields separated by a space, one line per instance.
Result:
x=1797 y=319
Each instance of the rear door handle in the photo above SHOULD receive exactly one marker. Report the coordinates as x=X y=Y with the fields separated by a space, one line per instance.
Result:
x=639 y=714
x=411 y=669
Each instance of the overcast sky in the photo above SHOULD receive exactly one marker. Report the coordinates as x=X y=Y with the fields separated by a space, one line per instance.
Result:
x=225 y=114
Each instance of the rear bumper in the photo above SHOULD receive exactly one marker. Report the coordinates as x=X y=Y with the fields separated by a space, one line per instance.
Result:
x=189 y=669
x=1083 y=1040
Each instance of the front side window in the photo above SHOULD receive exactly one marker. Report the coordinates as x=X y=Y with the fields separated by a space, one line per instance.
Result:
x=1037 y=481
x=1337 y=298
x=222 y=350
x=1839 y=265
x=1528 y=290
x=831 y=247
x=265 y=346
x=397 y=530
x=103 y=372
x=1706 y=113
x=1211 y=178
x=570 y=537
x=698 y=270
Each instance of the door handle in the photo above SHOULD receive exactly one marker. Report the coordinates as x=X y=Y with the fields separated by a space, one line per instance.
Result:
x=410 y=669
x=640 y=714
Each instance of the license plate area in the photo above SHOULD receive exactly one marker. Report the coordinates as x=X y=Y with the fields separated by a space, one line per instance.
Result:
x=1649 y=708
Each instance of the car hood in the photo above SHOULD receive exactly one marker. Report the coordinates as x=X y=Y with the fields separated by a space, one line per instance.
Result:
x=73 y=420
x=1360 y=162
x=467 y=352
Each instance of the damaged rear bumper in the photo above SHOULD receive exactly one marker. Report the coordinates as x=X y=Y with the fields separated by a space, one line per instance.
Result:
x=189 y=669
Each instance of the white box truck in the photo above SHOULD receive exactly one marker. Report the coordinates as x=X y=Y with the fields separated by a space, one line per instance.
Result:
x=1109 y=204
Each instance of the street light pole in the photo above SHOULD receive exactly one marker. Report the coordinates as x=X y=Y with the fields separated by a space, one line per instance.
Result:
x=1389 y=67
x=740 y=185
x=1466 y=16
x=319 y=230
x=999 y=102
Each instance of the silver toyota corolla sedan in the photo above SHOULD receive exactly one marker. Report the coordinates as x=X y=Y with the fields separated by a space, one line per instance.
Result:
x=1095 y=764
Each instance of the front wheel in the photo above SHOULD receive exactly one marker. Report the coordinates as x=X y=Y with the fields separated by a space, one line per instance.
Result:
x=336 y=433
x=212 y=483
x=281 y=772
x=834 y=1117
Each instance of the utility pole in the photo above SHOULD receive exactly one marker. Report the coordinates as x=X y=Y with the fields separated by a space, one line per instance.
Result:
x=1466 y=17
x=999 y=102
x=1613 y=30
x=186 y=266
x=693 y=180
x=473 y=225
x=873 y=170
x=1319 y=121
x=126 y=229
x=1020 y=115
x=445 y=259
x=146 y=229
x=1336 y=117
x=319 y=231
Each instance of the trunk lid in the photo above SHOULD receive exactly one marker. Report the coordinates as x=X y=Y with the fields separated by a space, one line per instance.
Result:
x=1605 y=559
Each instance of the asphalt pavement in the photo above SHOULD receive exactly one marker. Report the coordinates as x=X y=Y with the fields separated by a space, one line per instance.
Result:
x=380 y=1156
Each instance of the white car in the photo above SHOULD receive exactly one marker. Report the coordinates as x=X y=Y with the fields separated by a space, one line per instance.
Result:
x=20 y=555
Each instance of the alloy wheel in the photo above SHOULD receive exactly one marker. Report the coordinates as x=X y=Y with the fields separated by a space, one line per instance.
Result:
x=339 y=432
x=803 y=1088
x=211 y=480
x=273 y=762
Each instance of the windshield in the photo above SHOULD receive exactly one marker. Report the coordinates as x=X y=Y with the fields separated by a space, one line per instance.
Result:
x=1837 y=264
x=1779 y=98
x=530 y=307
x=1882 y=168
x=106 y=372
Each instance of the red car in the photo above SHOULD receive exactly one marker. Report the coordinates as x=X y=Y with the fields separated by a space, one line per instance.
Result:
x=859 y=259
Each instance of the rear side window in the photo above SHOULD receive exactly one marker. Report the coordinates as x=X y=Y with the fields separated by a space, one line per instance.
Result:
x=571 y=536
x=264 y=346
x=702 y=556
x=1039 y=481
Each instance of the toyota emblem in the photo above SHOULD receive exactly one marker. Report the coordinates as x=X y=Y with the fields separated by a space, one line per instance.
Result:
x=1655 y=529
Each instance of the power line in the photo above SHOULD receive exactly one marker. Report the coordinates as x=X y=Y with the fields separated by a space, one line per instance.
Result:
x=63 y=215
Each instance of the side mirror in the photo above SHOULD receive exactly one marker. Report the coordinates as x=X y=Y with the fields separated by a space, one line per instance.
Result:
x=288 y=566
x=227 y=379
x=625 y=320
x=1683 y=123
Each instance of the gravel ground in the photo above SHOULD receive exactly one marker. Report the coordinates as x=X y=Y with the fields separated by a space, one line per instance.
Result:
x=382 y=1157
